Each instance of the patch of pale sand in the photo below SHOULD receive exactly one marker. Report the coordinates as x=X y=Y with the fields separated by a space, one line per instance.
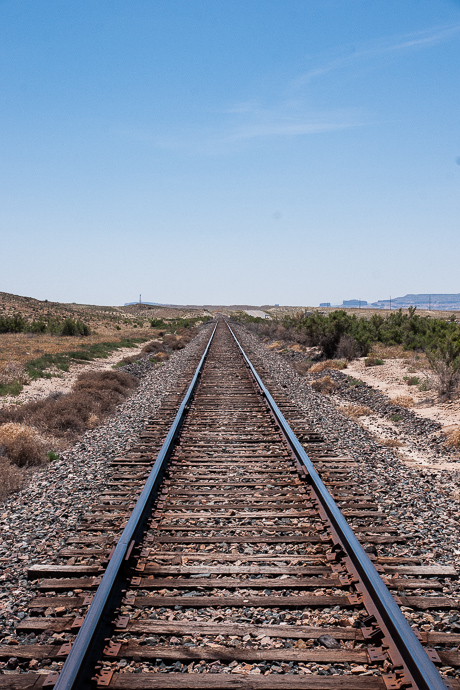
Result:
x=389 y=379
x=42 y=388
x=383 y=429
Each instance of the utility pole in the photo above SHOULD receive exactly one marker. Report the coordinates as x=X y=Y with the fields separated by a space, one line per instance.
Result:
x=140 y=299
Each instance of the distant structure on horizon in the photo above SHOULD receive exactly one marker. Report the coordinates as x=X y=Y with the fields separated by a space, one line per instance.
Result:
x=354 y=303
x=440 y=302
x=324 y=304
x=151 y=304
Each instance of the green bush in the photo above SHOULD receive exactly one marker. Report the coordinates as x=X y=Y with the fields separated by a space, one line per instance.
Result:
x=355 y=335
x=18 y=324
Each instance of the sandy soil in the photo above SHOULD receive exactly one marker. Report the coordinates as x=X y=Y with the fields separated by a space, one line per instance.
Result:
x=389 y=378
x=63 y=382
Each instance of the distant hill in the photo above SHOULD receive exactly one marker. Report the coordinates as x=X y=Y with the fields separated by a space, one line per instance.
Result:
x=152 y=304
x=422 y=301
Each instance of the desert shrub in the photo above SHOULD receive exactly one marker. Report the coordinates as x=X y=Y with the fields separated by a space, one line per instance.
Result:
x=355 y=411
x=396 y=418
x=403 y=401
x=22 y=445
x=412 y=380
x=347 y=348
x=347 y=335
x=328 y=364
x=11 y=478
x=158 y=323
x=19 y=324
x=72 y=327
x=174 y=342
x=391 y=442
x=453 y=438
x=13 y=371
x=93 y=395
x=302 y=368
x=425 y=385
x=159 y=357
x=445 y=364
x=12 y=324
x=154 y=346
x=373 y=361
x=324 y=385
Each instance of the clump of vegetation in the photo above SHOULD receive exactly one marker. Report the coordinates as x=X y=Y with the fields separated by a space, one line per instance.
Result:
x=302 y=368
x=324 y=385
x=412 y=380
x=445 y=364
x=53 y=325
x=373 y=361
x=11 y=478
x=453 y=438
x=403 y=401
x=396 y=418
x=22 y=445
x=425 y=385
x=346 y=335
x=94 y=396
x=39 y=368
x=391 y=442
x=355 y=383
x=176 y=324
x=158 y=323
x=355 y=411
x=328 y=364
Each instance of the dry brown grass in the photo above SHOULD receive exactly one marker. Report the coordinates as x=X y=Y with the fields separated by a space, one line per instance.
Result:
x=391 y=442
x=453 y=438
x=12 y=371
x=355 y=411
x=22 y=445
x=154 y=346
x=95 y=394
x=302 y=368
x=11 y=478
x=403 y=401
x=328 y=364
x=324 y=385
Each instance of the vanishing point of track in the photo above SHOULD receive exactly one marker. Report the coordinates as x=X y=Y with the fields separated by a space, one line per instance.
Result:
x=217 y=558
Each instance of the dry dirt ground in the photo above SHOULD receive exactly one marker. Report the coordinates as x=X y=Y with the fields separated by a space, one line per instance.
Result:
x=392 y=378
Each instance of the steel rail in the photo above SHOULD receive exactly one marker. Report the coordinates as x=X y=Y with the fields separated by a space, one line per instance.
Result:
x=412 y=653
x=75 y=673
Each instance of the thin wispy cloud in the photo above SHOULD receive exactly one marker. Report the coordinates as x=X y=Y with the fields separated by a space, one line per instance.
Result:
x=291 y=113
x=386 y=47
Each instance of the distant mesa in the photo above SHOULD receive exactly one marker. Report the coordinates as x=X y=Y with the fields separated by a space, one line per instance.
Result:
x=354 y=303
x=436 y=302
x=441 y=302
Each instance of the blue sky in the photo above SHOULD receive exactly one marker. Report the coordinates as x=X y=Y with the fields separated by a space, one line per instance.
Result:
x=229 y=151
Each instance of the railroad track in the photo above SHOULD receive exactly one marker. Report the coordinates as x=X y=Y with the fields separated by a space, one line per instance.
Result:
x=217 y=558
